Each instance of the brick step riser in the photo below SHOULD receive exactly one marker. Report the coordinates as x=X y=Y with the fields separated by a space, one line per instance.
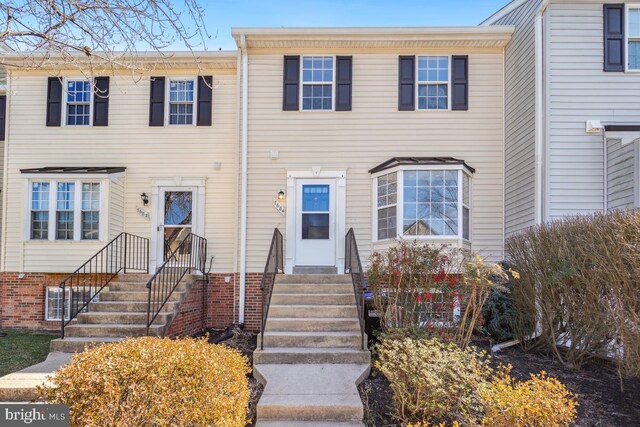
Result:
x=323 y=341
x=311 y=299
x=134 y=296
x=133 y=307
x=312 y=289
x=79 y=331
x=120 y=318
x=305 y=325
x=273 y=357
x=310 y=413
x=302 y=312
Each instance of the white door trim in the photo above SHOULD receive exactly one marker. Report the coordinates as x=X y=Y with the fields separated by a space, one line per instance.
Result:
x=193 y=183
x=341 y=203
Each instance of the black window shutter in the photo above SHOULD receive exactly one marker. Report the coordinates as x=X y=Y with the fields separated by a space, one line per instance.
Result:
x=407 y=83
x=291 y=84
x=101 y=101
x=156 y=102
x=460 y=82
x=3 y=115
x=614 y=58
x=344 y=77
x=54 y=101
x=205 y=84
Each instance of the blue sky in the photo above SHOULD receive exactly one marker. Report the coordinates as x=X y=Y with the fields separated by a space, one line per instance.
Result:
x=221 y=15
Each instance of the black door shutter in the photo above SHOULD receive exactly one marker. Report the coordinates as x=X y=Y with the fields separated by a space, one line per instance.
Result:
x=54 y=101
x=205 y=84
x=460 y=82
x=407 y=83
x=344 y=71
x=101 y=101
x=3 y=115
x=614 y=58
x=156 y=103
x=291 y=83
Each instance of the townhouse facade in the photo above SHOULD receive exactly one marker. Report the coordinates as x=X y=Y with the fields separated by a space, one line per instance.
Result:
x=572 y=86
x=394 y=132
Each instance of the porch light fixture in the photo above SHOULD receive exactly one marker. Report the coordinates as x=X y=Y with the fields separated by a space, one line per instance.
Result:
x=281 y=195
x=145 y=199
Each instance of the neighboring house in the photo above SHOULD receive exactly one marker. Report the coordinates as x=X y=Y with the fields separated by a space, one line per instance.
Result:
x=572 y=109
x=394 y=132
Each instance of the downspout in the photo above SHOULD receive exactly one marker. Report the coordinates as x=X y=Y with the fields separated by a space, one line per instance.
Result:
x=5 y=174
x=243 y=196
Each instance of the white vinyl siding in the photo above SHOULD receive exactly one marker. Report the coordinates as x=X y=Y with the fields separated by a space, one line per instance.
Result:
x=520 y=118
x=372 y=133
x=622 y=175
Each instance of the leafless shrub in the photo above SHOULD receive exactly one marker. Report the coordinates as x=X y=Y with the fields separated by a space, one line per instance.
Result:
x=580 y=288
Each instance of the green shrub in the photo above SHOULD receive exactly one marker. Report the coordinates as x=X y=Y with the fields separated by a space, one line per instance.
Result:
x=432 y=380
x=498 y=311
x=154 y=382
x=579 y=288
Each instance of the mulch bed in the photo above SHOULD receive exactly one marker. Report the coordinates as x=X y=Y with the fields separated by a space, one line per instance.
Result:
x=597 y=387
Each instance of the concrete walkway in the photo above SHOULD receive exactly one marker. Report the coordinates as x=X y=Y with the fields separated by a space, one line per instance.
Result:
x=21 y=386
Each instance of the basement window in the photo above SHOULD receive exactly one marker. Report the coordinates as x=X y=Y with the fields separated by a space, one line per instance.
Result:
x=54 y=301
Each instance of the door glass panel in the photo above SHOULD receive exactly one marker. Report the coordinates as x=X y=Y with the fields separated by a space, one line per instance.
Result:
x=315 y=226
x=178 y=214
x=315 y=198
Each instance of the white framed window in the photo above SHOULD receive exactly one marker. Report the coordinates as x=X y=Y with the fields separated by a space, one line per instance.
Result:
x=78 y=106
x=632 y=43
x=181 y=108
x=433 y=82
x=65 y=210
x=429 y=202
x=73 y=302
x=318 y=75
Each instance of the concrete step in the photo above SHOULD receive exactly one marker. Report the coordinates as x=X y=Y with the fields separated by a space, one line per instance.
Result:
x=312 y=324
x=109 y=330
x=78 y=344
x=310 y=392
x=314 y=278
x=134 y=277
x=122 y=317
x=135 y=296
x=282 y=423
x=311 y=339
x=313 y=288
x=297 y=355
x=279 y=310
x=138 y=286
x=120 y=306
x=313 y=299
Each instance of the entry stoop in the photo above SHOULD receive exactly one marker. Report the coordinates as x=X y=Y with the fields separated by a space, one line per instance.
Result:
x=119 y=312
x=312 y=359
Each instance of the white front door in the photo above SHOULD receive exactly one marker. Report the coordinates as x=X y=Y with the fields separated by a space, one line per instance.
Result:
x=176 y=219
x=315 y=222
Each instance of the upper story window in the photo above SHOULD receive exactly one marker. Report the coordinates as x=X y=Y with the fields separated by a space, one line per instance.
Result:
x=78 y=102
x=633 y=38
x=433 y=82
x=425 y=202
x=65 y=210
x=317 y=82
x=181 y=101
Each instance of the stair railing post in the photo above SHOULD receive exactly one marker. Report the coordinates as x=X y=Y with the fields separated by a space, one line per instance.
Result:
x=124 y=261
x=64 y=290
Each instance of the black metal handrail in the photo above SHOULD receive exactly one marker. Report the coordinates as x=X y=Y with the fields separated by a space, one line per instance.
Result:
x=353 y=266
x=190 y=255
x=125 y=252
x=273 y=266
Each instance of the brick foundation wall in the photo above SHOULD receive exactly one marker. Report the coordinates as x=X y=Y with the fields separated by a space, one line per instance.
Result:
x=223 y=299
x=190 y=320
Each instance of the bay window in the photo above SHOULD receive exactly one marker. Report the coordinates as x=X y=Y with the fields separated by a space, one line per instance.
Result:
x=425 y=202
x=64 y=210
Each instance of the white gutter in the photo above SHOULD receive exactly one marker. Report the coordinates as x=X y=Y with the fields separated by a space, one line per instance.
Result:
x=243 y=196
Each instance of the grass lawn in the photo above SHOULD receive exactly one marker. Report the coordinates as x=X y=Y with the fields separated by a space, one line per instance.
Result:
x=20 y=349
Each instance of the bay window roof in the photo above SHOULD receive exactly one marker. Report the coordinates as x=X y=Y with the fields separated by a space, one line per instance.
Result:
x=80 y=170
x=420 y=161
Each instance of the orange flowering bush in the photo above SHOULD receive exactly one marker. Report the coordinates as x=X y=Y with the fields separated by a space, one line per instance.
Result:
x=540 y=401
x=154 y=382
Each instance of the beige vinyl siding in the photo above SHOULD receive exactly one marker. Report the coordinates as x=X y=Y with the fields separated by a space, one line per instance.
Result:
x=580 y=90
x=116 y=207
x=622 y=175
x=3 y=76
x=371 y=133
x=520 y=112
x=148 y=153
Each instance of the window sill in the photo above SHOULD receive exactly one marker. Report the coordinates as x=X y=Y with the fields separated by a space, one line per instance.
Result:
x=65 y=242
